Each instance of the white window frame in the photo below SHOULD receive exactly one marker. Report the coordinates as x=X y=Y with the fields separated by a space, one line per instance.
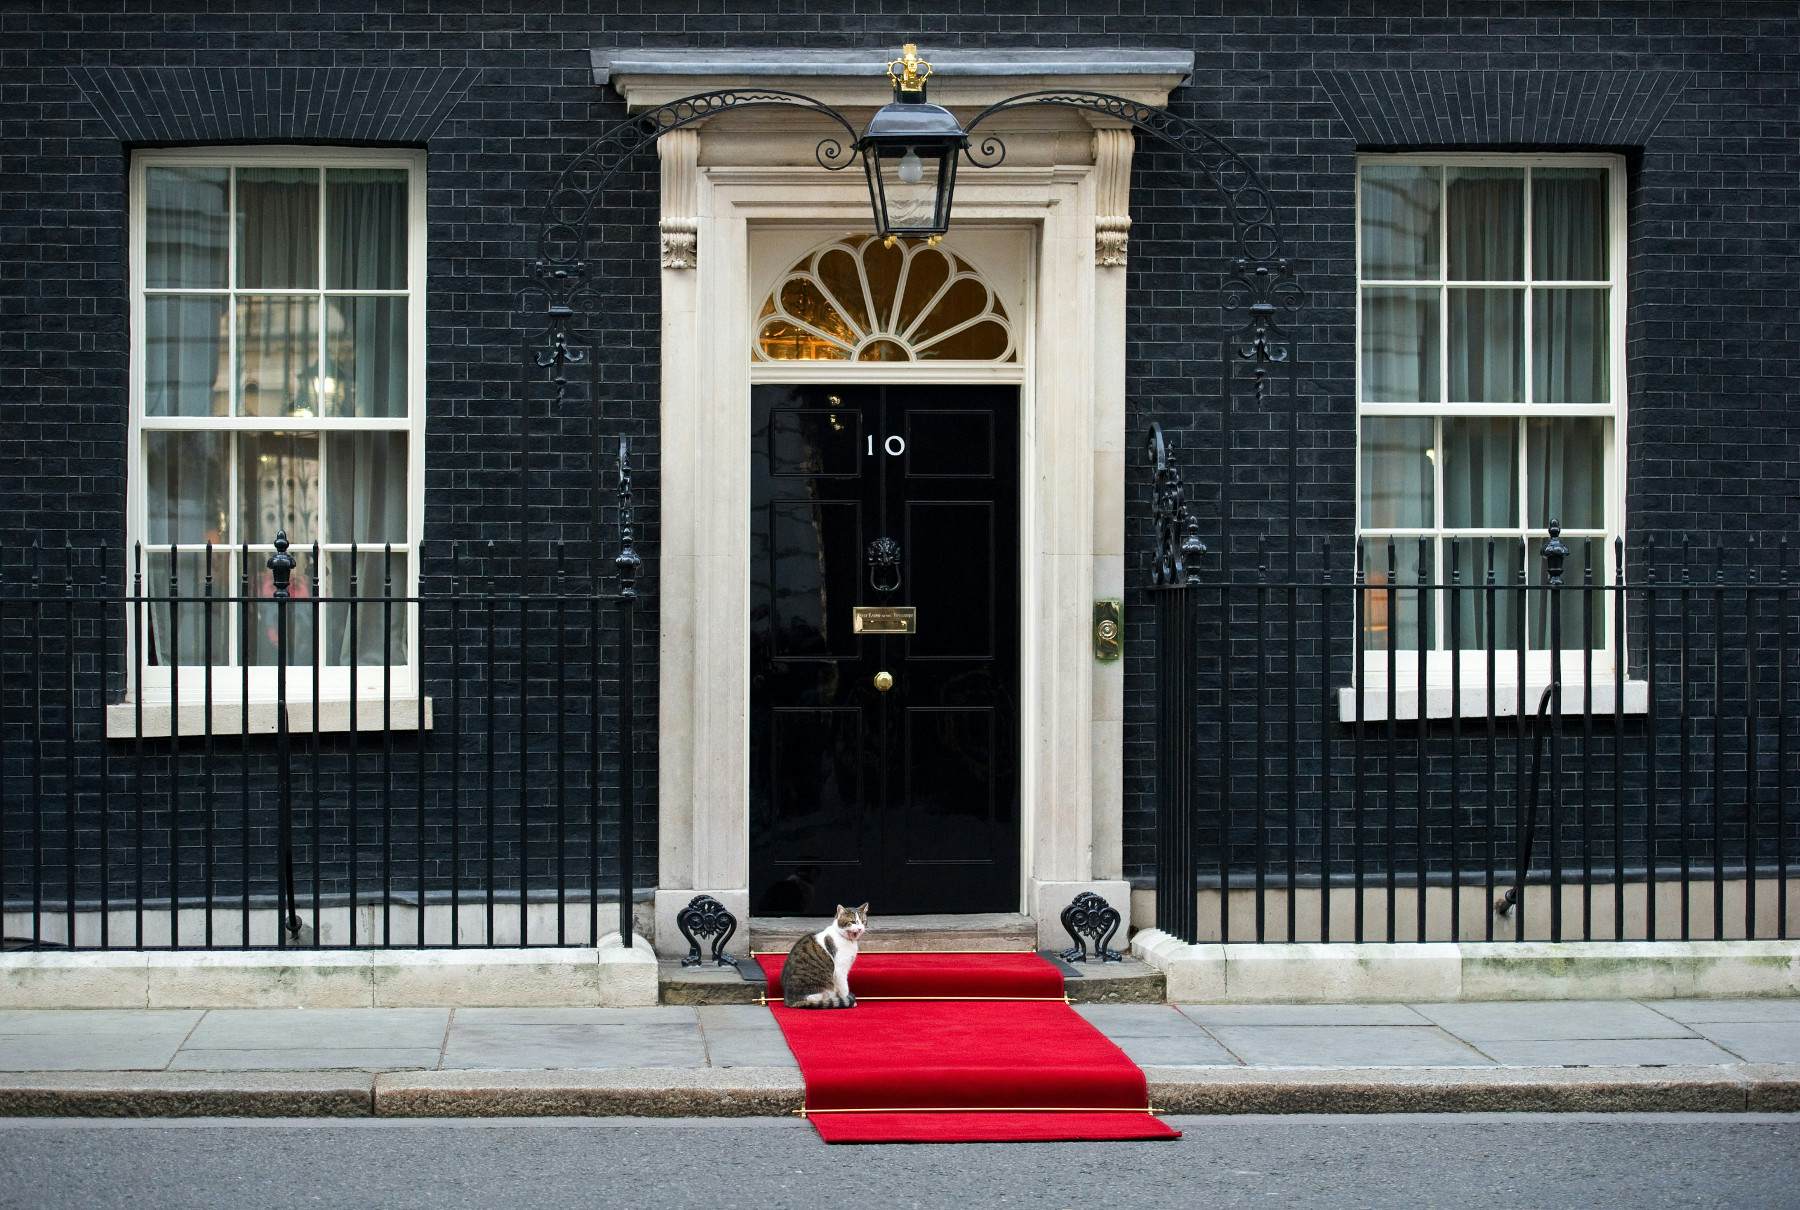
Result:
x=226 y=679
x=1474 y=663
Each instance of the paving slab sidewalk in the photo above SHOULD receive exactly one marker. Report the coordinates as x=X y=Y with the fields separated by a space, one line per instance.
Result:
x=731 y=1059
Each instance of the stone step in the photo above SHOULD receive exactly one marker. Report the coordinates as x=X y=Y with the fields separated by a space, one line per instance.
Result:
x=703 y=984
x=1127 y=982
x=986 y=932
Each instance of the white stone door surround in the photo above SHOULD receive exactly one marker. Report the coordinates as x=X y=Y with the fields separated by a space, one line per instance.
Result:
x=739 y=193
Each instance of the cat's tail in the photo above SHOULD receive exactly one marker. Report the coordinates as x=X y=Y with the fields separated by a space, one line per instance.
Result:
x=818 y=1000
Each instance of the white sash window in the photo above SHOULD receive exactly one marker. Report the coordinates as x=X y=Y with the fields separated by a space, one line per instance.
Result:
x=1490 y=394
x=277 y=383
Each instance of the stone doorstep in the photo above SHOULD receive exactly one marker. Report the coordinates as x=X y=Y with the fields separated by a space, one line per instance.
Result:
x=1092 y=982
x=987 y=932
x=765 y=1092
x=1447 y=971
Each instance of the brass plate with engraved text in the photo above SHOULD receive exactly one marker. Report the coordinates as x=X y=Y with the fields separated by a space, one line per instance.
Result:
x=885 y=619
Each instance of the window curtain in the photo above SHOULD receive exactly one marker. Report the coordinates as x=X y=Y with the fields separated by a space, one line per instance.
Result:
x=278 y=248
x=367 y=505
x=1569 y=244
x=366 y=248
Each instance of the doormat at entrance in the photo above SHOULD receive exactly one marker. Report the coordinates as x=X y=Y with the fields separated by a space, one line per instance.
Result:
x=961 y=1048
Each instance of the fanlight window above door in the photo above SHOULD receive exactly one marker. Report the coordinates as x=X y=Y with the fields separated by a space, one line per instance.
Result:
x=858 y=299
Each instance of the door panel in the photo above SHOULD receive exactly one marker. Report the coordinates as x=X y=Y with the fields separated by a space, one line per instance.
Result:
x=815 y=548
x=951 y=795
x=959 y=590
x=907 y=798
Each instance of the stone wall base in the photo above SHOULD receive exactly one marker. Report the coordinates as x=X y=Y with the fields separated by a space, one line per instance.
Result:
x=607 y=976
x=1436 y=971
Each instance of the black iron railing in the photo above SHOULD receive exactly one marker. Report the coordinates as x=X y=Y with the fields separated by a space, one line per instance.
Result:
x=1465 y=739
x=295 y=746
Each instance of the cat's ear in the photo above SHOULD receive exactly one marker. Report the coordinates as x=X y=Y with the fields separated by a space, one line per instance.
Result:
x=841 y=909
x=863 y=911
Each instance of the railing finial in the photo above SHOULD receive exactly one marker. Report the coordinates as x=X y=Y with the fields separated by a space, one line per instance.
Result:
x=1555 y=552
x=626 y=560
x=281 y=564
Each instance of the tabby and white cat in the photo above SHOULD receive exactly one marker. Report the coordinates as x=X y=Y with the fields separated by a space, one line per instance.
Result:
x=817 y=971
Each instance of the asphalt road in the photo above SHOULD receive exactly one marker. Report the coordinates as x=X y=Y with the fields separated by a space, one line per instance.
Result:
x=1468 y=1162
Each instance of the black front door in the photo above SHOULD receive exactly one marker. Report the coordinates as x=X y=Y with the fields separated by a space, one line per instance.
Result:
x=901 y=789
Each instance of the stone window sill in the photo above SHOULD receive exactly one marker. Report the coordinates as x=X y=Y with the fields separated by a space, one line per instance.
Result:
x=1439 y=702
x=334 y=715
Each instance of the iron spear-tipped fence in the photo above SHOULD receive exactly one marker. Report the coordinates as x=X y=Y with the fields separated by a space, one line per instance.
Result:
x=270 y=746
x=1473 y=739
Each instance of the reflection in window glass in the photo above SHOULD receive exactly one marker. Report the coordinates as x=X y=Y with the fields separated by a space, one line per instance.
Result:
x=184 y=227
x=1399 y=222
x=1397 y=480
x=1400 y=345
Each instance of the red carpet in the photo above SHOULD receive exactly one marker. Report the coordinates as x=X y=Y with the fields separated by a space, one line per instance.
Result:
x=1011 y=1062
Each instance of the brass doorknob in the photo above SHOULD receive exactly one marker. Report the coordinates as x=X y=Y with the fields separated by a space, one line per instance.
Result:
x=884 y=681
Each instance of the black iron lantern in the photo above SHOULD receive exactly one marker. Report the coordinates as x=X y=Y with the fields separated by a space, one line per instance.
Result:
x=909 y=152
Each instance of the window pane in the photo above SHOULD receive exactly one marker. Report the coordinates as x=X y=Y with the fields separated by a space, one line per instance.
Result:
x=1566 y=472
x=365 y=228
x=184 y=356
x=1399 y=222
x=1487 y=346
x=184 y=487
x=373 y=617
x=1569 y=607
x=1396 y=618
x=278 y=228
x=266 y=620
x=365 y=351
x=1569 y=351
x=1568 y=224
x=184 y=226
x=1400 y=345
x=278 y=356
x=279 y=475
x=1481 y=473
x=178 y=629
x=1396 y=473
x=1486 y=238
x=1473 y=558
x=366 y=497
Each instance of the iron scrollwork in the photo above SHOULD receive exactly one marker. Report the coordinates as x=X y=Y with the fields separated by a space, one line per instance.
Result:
x=1090 y=918
x=705 y=916
x=1247 y=202
x=582 y=183
x=1176 y=562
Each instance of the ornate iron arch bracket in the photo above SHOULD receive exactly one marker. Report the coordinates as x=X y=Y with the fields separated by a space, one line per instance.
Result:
x=1253 y=214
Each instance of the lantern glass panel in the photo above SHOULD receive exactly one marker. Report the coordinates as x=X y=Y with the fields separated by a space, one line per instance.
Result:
x=912 y=185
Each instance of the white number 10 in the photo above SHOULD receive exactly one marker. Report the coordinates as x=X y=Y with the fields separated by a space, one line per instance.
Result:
x=894 y=445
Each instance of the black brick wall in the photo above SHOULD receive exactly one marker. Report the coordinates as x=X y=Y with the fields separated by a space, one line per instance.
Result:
x=1703 y=98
